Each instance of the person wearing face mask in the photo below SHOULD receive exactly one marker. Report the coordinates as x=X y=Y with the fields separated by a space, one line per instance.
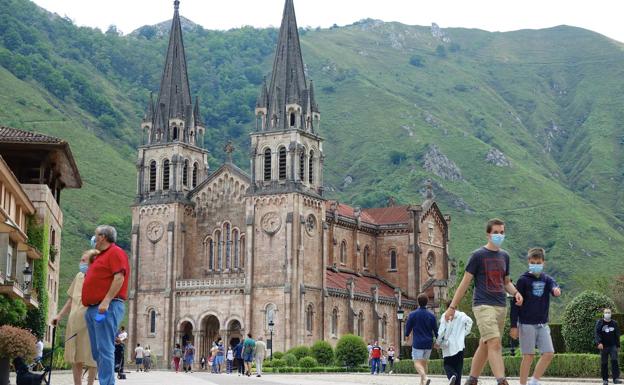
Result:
x=77 y=347
x=489 y=267
x=104 y=292
x=529 y=322
x=607 y=338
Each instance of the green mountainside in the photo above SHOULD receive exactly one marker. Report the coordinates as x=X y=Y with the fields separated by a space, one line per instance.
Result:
x=524 y=125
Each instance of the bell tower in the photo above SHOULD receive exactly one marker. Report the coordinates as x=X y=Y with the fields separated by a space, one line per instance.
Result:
x=286 y=210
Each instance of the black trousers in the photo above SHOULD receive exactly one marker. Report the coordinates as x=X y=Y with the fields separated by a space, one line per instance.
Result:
x=454 y=365
x=240 y=365
x=609 y=352
x=119 y=357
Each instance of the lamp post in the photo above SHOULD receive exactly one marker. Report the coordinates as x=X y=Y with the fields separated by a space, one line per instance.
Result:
x=271 y=324
x=400 y=314
x=27 y=272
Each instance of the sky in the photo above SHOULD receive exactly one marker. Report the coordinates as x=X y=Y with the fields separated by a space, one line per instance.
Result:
x=602 y=16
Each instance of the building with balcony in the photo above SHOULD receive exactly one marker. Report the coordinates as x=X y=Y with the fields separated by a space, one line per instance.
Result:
x=42 y=166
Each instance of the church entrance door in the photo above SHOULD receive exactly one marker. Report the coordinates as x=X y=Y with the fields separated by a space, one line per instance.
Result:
x=210 y=327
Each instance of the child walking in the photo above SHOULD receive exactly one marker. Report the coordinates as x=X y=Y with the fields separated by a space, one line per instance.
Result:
x=530 y=321
x=451 y=338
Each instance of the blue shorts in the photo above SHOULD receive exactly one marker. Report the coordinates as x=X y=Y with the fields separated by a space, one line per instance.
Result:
x=218 y=360
x=248 y=357
x=421 y=354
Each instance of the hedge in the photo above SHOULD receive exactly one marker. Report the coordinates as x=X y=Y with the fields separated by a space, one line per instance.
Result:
x=579 y=320
x=308 y=362
x=563 y=365
x=323 y=352
x=557 y=337
x=300 y=352
x=290 y=359
x=328 y=369
x=278 y=355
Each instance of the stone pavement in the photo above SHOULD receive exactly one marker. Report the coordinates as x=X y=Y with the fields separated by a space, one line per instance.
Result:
x=203 y=378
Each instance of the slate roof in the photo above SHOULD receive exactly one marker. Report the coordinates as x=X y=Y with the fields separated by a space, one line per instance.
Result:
x=374 y=216
x=363 y=284
x=14 y=135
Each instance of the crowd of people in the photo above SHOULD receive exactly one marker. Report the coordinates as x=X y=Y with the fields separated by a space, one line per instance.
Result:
x=95 y=340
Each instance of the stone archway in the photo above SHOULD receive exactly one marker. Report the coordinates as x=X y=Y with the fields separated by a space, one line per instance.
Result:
x=186 y=333
x=234 y=333
x=210 y=327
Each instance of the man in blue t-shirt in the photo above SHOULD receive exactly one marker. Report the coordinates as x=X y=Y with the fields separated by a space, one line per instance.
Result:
x=421 y=323
x=489 y=267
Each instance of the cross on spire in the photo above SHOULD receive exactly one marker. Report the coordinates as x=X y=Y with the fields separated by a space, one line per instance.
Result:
x=229 y=149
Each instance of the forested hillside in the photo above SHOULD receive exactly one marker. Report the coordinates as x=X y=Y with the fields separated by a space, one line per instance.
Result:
x=525 y=125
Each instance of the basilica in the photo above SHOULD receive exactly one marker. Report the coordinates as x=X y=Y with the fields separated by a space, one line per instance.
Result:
x=221 y=251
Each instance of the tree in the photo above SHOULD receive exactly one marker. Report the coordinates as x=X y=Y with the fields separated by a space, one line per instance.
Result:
x=323 y=352
x=579 y=320
x=416 y=61
x=440 y=51
x=12 y=311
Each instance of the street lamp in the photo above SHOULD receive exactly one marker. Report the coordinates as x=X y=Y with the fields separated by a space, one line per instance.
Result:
x=271 y=324
x=400 y=314
x=27 y=272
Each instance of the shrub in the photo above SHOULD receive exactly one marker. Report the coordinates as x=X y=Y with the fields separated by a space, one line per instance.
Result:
x=300 y=352
x=290 y=359
x=278 y=355
x=308 y=362
x=440 y=51
x=351 y=350
x=16 y=342
x=323 y=352
x=278 y=363
x=579 y=320
x=557 y=338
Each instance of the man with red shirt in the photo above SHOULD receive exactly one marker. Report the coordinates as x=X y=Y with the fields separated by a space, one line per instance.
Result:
x=375 y=358
x=104 y=292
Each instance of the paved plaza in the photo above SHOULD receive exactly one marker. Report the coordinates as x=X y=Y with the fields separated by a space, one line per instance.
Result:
x=203 y=378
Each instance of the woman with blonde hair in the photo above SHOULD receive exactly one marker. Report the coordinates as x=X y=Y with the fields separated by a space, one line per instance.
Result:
x=78 y=346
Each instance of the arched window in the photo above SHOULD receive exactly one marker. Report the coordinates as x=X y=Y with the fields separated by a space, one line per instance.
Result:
x=302 y=166
x=334 y=322
x=219 y=240
x=311 y=168
x=267 y=164
x=152 y=321
x=152 y=176
x=259 y=125
x=292 y=119
x=269 y=315
x=228 y=246
x=282 y=163
x=393 y=259
x=165 y=182
x=366 y=255
x=210 y=254
x=309 y=318
x=236 y=248
x=243 y=251
x=185 y=169
x=175 y=133
x=343 y=252
x=384 y=324
x=360 y=323
x=195 y=170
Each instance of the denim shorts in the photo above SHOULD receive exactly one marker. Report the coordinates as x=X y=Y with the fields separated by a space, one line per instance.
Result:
x=421 y=354
x=532 y=336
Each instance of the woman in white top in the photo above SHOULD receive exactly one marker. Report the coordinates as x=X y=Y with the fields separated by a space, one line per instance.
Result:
x=451 y=337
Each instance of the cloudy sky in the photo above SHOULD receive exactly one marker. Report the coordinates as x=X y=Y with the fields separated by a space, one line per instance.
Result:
x=603 y=16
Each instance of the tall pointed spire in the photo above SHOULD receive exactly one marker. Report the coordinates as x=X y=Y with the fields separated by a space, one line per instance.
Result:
x=174 y=97
x=288 y=81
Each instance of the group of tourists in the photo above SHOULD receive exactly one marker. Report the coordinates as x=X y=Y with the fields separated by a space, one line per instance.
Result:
x=239 y=357
x=488 y=267
x=380 y=358
x=95 y=308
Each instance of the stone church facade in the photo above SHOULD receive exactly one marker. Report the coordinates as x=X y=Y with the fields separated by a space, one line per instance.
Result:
x=222 y=253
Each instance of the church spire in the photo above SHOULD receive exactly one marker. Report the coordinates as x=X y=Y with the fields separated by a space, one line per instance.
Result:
x=174 y=97
x=287 y=91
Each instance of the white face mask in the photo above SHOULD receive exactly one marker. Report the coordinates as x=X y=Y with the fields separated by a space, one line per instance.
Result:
x=607 y=316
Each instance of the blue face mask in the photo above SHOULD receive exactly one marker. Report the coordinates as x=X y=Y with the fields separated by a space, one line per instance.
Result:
x=84 y=267
x=536 y=268
x=93 y=242
x=497 y=239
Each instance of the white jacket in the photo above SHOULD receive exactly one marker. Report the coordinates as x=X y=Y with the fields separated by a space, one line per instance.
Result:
x=451 y=335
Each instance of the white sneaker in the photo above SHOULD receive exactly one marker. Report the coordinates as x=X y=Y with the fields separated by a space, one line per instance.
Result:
x=533 y=381
x=452 y=380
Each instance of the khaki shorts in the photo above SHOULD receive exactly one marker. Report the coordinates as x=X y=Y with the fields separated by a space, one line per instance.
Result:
x=490 y=321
